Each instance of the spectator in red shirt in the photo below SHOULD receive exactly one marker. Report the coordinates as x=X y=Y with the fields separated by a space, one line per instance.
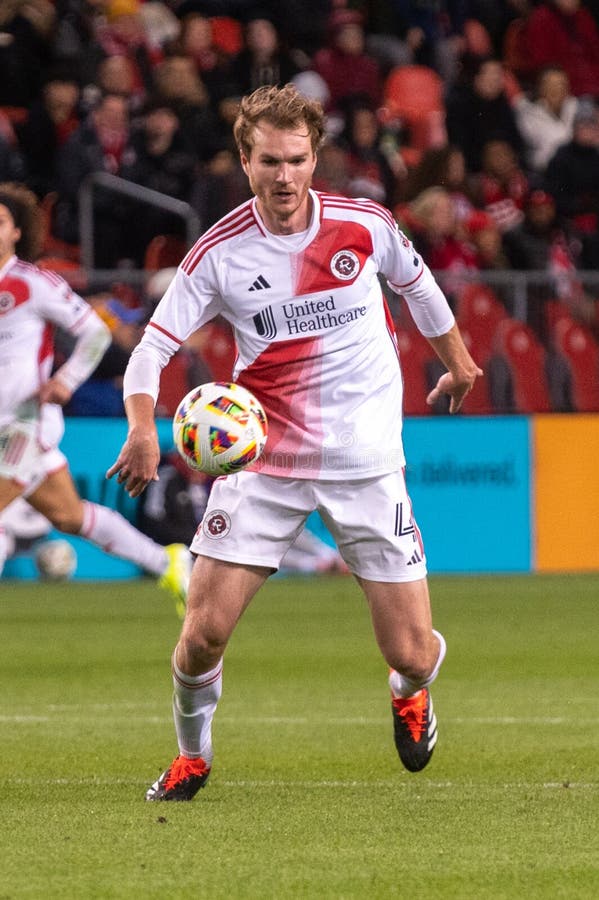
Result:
x=502 y=184
x=348 y=71
x=563 y=32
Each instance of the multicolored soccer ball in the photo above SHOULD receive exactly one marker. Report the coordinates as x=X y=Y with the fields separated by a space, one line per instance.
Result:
x=219 y=428
x=56 y=560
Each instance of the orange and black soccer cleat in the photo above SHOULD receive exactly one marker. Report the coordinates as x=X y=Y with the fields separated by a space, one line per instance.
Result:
x=415 y=729
x=181 y=781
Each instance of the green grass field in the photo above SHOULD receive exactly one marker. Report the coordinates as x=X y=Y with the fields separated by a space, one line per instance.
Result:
x=307 y=798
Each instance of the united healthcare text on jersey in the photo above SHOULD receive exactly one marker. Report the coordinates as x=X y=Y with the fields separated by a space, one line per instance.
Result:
x=316 y=315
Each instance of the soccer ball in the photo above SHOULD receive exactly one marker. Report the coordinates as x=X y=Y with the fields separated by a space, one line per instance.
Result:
x=219 y=428
x=56 y=560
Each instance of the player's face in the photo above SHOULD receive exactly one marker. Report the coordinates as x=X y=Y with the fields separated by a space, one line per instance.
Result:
x=9 y=234
x=280 y=168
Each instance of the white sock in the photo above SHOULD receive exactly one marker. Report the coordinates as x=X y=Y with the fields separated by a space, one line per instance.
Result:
x=194 y=704
x=114 y=534
x=401 y=686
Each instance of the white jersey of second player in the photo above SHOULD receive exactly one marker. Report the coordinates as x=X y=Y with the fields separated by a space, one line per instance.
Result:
x=315 y=340
x=32 y=301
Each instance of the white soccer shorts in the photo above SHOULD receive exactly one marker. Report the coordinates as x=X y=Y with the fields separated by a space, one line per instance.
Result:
x=23 y=460
x=253 y=519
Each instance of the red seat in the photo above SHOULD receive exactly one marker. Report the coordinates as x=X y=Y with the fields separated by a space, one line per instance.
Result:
x=175 y=382
x=215 y=343
x=519 y=349
x=68 y=269
x=478 y=315
x=553 y=311
x=414 y=95
x=478 y=402
x=416 y=355
x=575 y=343
x=164 y=251
x=227 y=34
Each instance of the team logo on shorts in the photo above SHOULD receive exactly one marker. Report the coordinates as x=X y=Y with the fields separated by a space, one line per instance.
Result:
x=217 y=524
x=7 y=302
x=345 y=265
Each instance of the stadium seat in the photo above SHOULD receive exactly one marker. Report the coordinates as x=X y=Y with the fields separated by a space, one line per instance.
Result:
x=69 y=269
x=416 y=356
x=575 y=344
x=478 y=314
x=215 y=344
x=553 y=311
x=164 y=251
x=227 y=34
x=413 y=94
x=518 y=370
x=175 y=382
x=478 y=402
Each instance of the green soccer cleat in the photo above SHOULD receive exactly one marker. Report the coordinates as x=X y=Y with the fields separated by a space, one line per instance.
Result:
x=175 y=578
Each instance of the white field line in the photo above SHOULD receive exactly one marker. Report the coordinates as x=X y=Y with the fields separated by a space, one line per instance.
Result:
x=90 y=713
x=387 y=783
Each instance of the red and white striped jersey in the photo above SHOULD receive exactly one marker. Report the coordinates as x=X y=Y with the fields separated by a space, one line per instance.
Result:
x=32 y=302
x=315 y=340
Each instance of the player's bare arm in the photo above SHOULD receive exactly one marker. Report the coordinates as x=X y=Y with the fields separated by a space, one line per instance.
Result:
x=462 y=372
x=137 y=463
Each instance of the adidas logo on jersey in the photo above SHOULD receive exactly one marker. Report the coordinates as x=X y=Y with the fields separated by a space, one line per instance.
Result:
x=259 y=284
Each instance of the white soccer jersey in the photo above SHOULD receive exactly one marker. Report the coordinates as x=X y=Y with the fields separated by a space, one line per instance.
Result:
x=32 y=301
x=315 y=340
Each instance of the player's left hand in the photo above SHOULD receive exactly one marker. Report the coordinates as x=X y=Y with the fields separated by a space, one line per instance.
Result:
x=457 y=388
x=137 y=463
x=55 y=391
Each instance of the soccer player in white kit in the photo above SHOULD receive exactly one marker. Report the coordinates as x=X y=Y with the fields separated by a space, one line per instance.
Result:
x=296 y=273
x=32 y=303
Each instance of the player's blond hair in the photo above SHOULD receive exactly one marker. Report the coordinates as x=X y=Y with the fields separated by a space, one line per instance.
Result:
x=283 y=107
x=25 y=211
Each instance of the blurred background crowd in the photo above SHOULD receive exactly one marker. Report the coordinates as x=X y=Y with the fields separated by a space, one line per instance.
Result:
x=475 y=121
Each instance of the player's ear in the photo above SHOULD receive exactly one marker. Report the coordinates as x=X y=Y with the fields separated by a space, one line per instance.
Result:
x=244 y=161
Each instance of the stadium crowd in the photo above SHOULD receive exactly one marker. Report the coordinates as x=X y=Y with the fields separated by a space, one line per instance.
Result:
x=475 y=121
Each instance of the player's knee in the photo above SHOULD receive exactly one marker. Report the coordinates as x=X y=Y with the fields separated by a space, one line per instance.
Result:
x=200 y=647
x=417 y=660
x=67 y=521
